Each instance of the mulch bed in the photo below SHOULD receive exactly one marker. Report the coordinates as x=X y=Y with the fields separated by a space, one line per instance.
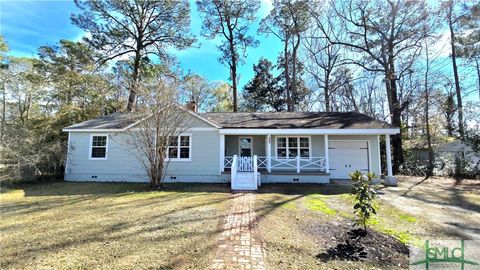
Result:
x=343 y=242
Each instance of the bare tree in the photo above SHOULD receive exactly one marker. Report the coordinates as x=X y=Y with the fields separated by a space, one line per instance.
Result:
x=4 y=76
x=427 y=109
x=386 y=37
x=456 y=11
x=322 y=58
x=163 y=122
x=451 y=22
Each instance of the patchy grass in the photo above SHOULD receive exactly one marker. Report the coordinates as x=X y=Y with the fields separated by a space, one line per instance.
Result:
x=315 y=203
x=300 y=222
x=114 y=226
x=407 y=218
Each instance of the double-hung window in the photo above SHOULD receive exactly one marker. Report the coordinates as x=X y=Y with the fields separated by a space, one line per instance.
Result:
x=291 y=147
x=98 y=146
x=179 y=148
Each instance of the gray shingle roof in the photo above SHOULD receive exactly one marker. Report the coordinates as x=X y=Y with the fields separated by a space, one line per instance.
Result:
x=279 y=120
x=271 y=120
x=110 y=121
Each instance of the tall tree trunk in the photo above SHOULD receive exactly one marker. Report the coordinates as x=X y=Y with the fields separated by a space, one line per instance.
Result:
x=28 y=106
x=395 y=113
x=294 y=72
x=233 y=71
x=287 y=74
x=427 y=108
x=132 y=97
x=4 y=109
x=461 y=129
x=233 y=66
x=477 y=64
x=326 y=91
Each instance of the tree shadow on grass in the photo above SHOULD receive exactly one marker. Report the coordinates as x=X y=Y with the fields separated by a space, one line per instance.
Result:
x=96 y=188
x=304 y=189
x=177 y=220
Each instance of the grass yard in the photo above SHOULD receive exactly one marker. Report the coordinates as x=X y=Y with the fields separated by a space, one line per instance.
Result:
x=304 y=225
x=128 y=226
x=110 y=226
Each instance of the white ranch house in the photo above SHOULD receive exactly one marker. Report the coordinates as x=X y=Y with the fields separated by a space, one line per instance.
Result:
x=245 y=149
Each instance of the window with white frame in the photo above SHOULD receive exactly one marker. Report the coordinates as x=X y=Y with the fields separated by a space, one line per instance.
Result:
x=291 y=147
x=179 y=147
x=98 y=146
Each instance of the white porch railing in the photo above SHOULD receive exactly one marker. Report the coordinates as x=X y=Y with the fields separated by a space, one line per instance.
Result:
x=255 y=171
x=245 y=164
x=297 y=164
x=233 y=174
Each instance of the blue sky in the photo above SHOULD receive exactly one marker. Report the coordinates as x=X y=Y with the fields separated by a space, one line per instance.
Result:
x=26 y=25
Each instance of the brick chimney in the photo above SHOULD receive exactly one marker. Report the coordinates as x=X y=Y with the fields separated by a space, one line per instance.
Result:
x=192 y=106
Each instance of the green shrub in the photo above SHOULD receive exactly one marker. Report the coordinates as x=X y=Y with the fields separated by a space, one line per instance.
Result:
x=364 y=196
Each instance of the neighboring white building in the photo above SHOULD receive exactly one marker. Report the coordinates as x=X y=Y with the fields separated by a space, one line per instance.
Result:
x=447 y=157
x=245 y=149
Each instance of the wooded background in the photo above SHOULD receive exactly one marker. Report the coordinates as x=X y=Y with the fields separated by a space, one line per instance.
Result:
x=415 y=64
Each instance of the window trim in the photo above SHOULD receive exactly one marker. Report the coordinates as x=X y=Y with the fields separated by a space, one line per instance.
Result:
x=90 y=146
x=251 y=145
x=298 y=146
x=178 y=149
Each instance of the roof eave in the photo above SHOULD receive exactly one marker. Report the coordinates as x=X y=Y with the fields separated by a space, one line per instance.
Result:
x=309 y=131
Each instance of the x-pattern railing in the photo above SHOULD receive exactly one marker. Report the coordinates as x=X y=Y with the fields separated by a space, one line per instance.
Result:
x=262 y=162
x=228 y=162
x=298 y=163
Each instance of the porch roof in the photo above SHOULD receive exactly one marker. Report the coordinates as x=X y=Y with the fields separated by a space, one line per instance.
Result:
x=296 y=120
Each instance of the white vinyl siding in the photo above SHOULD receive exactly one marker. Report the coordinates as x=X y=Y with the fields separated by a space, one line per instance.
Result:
x=122 y=164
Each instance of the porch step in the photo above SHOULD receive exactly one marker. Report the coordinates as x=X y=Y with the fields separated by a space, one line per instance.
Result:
x=244 y=181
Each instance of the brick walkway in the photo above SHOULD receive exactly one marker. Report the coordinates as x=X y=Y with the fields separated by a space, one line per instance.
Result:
x=239 y=246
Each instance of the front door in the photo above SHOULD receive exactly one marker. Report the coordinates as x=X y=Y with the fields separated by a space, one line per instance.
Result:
x=245 y=145
x=346 y=157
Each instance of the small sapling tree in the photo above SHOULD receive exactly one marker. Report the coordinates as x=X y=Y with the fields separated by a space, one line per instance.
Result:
x=364 y=197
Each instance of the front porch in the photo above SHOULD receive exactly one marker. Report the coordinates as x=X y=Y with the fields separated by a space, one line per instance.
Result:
x=303 y=158
x=276 y=153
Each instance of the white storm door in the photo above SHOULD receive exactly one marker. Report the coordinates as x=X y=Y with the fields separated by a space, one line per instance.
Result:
x=245 y=146
x=348 y=156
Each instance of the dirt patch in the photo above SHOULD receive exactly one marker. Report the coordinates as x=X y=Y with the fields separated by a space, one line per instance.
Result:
x=342 y=242
x=470 y=185
x=453 y=205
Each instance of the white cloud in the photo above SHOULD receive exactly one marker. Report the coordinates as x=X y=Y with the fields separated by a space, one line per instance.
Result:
x=82 y=35
x=265 y=7
x=441 y=47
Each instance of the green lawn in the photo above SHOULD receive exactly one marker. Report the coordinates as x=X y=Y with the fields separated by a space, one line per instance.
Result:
x=110 y=226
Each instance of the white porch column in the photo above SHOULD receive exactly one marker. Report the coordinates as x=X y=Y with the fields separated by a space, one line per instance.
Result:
x=327 y=161
x=379 y=172
x=298 y=163
x=222 y=153
x=389 y=155
x=269 y=153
